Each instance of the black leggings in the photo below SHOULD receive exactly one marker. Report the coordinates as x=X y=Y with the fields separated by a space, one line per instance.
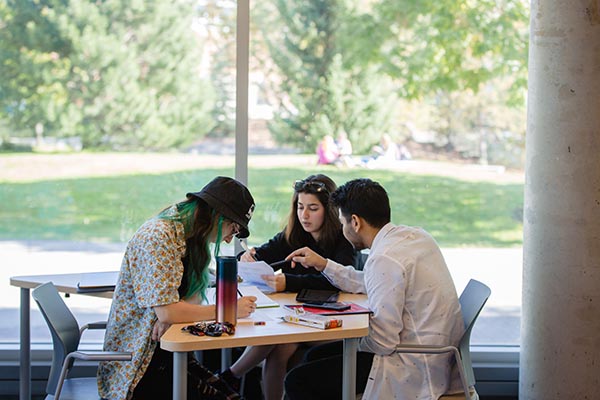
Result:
x=320 y=374
x=157 y=382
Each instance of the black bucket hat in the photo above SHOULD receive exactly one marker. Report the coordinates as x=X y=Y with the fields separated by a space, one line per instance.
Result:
x=231 y=199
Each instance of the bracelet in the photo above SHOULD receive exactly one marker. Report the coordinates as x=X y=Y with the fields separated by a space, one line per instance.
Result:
x=213 y=329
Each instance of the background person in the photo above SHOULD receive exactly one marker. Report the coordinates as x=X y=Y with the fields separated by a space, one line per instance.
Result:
x=411 y=294
x=313 y=222
x=163 y=277
x=387 y=148
x=344 y=150
x=404 y=153
x=327 y=151
x=385 y=154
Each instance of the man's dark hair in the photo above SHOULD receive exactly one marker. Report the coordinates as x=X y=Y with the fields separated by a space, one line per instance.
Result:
x=364 y=198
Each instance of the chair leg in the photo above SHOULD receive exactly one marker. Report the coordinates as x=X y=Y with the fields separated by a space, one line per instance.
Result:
x=461 y=373
x=242 y=384
x=61 y=379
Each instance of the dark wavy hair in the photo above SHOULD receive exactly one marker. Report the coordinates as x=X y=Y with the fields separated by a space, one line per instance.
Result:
x=295 y=234
x=198 y=219
x=364 y=198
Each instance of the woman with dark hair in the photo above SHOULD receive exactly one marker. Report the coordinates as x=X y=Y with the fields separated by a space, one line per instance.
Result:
x=163 y=278
x=313 y=222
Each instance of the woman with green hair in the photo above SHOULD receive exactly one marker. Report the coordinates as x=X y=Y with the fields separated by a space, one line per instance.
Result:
x=163 y=278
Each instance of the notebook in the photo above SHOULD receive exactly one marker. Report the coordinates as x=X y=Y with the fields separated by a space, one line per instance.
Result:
x=354 y=309
x=262 y=300
x=97 y=282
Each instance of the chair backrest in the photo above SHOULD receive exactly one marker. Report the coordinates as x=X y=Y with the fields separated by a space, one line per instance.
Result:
x=472 y=300
x=63 y=327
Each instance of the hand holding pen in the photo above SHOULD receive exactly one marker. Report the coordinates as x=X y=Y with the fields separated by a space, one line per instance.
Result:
x=249 y=253
x=246 y=305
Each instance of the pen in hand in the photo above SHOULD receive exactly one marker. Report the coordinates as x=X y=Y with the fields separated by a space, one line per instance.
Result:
x=246 y=248
x=243 y=244
x=279 y=263
x=240 y=293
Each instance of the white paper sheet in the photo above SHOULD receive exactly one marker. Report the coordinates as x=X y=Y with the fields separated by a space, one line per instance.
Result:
x=262 y=300
x=251 y=274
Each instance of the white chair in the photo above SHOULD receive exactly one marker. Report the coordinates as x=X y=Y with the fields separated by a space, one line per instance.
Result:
x=65 y=340
x=472 y=300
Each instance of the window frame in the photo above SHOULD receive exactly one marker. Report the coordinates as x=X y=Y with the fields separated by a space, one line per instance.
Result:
x=497 y=367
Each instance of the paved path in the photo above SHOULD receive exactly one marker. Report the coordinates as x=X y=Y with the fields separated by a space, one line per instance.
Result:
x=499 y=268
x=36 y=167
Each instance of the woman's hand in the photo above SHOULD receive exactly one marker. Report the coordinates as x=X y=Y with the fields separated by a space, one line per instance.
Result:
x=158 y=330
x=245 y=306
x=277 y=281
x=249 y=256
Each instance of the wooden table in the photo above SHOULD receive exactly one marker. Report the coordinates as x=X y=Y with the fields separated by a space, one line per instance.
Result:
x=65 y=283
x=274 y=331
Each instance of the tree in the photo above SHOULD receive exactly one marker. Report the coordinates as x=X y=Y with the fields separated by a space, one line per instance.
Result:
x=446 y=52
x=32 y=65
x=454 y=45
x=116 y=74
x=218 y=24
x=324 y=87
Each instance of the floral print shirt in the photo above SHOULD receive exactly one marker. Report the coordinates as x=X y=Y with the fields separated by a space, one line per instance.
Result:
x=150 y=275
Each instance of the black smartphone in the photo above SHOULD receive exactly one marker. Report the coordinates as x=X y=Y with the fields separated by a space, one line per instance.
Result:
x=316 y=296
x=337 y=306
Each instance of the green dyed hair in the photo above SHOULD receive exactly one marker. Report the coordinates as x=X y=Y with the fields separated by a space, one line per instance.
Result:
x=198 y=220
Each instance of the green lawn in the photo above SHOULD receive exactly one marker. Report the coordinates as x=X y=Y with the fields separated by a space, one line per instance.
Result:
x=109 y=209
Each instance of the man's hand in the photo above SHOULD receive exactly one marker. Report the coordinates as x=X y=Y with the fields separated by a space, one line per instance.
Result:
x=246 y=305
x=249 y=256
x=277 y=281
x=158 y=330
x=307 y=258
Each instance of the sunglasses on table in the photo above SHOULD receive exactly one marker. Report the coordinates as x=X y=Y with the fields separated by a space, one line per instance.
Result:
x=214 y=329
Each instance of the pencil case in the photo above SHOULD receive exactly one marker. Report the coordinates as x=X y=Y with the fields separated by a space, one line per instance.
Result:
x=313 y=320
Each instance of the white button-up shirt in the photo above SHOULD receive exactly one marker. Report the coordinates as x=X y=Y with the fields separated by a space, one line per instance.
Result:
x=414 y=301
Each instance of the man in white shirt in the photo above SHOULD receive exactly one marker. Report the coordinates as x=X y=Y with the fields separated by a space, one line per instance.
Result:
x=411 y=294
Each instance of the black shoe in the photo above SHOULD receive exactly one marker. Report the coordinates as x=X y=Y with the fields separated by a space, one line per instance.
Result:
x=231 y=380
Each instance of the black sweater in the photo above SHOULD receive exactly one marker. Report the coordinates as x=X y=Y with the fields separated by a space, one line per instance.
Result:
x=298 y=278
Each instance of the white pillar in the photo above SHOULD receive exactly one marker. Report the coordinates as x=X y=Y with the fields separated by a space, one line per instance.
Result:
x=560 y=327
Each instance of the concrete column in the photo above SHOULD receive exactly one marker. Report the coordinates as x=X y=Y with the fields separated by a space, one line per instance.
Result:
x=560 y=327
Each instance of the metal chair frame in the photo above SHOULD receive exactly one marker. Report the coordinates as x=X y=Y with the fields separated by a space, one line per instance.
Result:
x=472 y=300
x=66 y=336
